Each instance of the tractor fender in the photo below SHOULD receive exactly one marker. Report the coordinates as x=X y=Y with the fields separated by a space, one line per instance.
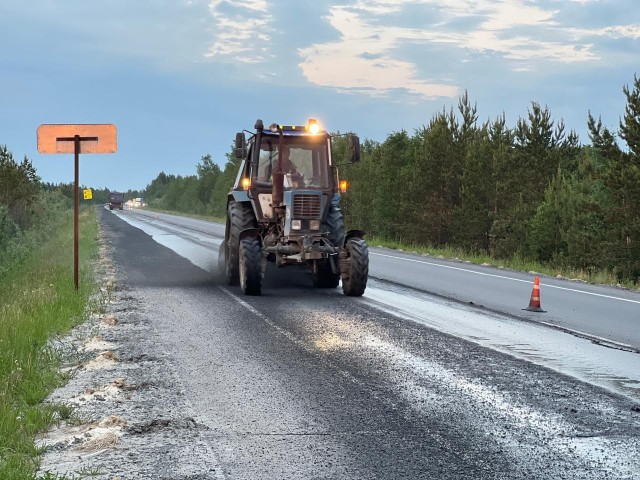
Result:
x=353 y=234
x=249 y=232
x=240 y=195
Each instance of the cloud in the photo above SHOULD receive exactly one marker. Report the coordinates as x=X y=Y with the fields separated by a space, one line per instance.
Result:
x=614 y=32
x=361 y=60
x=242 y=30
x=371 y=53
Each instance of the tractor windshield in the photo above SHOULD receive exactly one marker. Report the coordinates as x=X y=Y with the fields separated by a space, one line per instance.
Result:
x=305 y=161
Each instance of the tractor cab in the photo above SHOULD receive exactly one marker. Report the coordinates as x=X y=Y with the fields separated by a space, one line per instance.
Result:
x=305 y=162
x=301 y=152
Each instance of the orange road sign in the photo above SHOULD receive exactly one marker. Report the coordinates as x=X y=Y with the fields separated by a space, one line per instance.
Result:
x=88 y=194
x=94 y=138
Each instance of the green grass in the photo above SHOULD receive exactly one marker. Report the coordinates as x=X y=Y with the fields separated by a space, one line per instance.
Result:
x=38 y=301
x=515 y=263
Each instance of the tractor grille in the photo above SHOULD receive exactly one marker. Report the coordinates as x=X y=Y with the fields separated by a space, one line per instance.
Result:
x=306 y=206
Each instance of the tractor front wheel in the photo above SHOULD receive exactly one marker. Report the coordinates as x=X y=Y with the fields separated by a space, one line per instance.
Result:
x=239 y=217
x=354 y=267
x=250 y=266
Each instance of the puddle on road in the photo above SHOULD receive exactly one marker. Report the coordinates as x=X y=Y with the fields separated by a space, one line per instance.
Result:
x=199 y=249
x=613 y=369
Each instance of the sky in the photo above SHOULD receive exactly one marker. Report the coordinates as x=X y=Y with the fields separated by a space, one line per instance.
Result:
x=179 y=78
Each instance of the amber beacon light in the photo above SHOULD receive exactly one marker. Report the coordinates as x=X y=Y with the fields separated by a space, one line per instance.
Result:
x=313 y=126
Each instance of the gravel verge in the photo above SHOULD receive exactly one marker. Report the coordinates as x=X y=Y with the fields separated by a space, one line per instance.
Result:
x=130 y=415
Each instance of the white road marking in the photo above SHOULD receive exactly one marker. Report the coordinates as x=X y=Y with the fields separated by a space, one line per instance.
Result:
x=504 y=277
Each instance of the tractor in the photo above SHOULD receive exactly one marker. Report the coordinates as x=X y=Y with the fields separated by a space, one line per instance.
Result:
x=284 y=208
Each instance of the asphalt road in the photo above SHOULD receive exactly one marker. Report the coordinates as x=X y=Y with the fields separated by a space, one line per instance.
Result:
x=307 y=383
x=602 y=313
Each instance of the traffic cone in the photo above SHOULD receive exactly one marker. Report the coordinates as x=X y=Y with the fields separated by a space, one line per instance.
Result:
x=534 y=303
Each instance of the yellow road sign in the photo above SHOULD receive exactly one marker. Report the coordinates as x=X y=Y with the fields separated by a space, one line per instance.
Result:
x=88 y=194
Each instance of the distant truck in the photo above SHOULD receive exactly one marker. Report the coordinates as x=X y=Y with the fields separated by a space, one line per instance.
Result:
x=116 y=200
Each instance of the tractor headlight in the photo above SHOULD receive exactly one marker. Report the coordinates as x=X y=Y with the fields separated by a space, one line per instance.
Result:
x=296 y=224
x=314 y=225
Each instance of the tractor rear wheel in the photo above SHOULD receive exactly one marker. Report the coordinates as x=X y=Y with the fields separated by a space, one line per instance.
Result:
x=250 y=266
x=239 y=217
x=354 y=267
x=323 y=276
x=335 y=226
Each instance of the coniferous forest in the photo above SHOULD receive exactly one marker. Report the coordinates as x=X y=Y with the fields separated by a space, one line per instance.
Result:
x=532 y=190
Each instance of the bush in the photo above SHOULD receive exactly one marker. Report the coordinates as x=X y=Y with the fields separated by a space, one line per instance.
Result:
x=8 y=228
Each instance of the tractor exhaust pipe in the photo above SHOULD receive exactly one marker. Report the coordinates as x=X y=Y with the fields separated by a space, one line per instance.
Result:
x=277 y=196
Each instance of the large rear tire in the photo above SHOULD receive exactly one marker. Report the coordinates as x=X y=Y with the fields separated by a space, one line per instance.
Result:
x=239 y=217
x=354 y=267
x=250 y=266
x=335 y=226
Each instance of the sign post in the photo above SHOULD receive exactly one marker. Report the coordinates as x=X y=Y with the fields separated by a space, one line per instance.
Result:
x=76 y=139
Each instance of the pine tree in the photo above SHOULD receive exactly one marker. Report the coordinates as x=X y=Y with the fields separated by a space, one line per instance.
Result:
x=622 y=181
x=630 y=126
x=19 y=188
x=472 y=217
x=208 y=173
x=583 y=227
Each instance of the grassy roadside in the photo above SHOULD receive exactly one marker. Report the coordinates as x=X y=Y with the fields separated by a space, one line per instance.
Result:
x=37 y=302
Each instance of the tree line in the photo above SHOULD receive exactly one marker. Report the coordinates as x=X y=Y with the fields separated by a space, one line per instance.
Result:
x=204 y=193
x=26 y=210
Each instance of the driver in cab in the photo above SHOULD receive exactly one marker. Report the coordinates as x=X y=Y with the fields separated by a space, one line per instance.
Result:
x=288 y=167
x=292 y=176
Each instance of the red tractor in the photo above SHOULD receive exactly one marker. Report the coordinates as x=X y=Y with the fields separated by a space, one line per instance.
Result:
x=285 y=208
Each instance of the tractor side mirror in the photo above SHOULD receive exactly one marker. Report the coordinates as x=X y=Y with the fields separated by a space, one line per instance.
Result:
x=354 y=148
x=241 y=145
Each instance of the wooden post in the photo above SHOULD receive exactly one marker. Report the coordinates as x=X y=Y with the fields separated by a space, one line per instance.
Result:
x=76 y=209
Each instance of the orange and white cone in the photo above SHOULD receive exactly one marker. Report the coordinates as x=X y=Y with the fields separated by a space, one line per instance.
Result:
x=534 y=303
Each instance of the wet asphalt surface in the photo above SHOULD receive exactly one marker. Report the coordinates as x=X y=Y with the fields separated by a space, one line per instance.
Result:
x=306 y=383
